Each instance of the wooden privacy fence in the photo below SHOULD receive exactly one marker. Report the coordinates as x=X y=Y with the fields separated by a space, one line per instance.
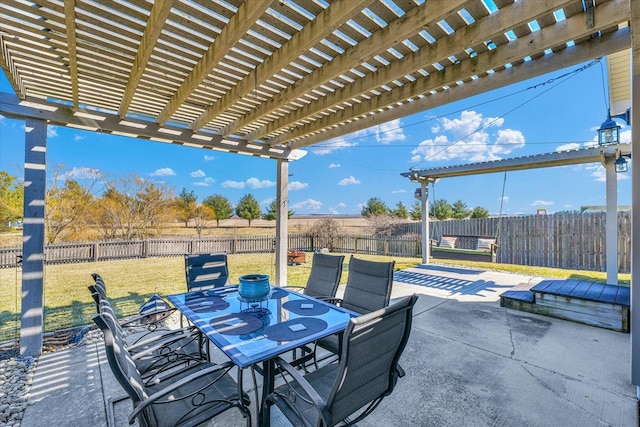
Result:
x=575 y=241
x=569 y=241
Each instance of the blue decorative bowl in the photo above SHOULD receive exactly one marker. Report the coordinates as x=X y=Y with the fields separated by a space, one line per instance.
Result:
x=254 y=286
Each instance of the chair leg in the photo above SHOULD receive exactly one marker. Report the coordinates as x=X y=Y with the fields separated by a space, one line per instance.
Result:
x=111 y=421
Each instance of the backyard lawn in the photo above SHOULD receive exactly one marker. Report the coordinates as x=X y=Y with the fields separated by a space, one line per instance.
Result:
x=131 y=282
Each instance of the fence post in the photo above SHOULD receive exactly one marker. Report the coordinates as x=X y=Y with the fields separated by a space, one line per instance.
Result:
x=95 y=252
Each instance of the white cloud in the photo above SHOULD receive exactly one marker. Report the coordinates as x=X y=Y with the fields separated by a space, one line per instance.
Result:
x=504 y=199
x=310 y=204
x=541 y=203
x=625 y=137
x=256 y=183
x=568 y=147
x=389 y=132
x=232 y=184
x=349 y=181
x=81 y=173
x=341 y=205
x=333 y=211
x=207 y=182
x=599 y=173
x=331 y=145
x=267 y=202
x=468 y=138
x=334 y=165
x=208 y=158
x=398 y=191
x=197 y=174
x=78 y=137
x=163 y=172
x=297 y=185
x=52 y=131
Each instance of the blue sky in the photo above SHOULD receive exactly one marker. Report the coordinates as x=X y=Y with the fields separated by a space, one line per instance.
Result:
x=553 y=112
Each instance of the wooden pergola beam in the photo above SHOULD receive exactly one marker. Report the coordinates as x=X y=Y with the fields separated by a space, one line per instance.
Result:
x=489 y=28
x=324 y=24
x=63 y=115
x=248 y=13
x=571 y=29
x=10 y=70
x=570 y=56
x=159 y=14
x=70 y=24
x=425 y=15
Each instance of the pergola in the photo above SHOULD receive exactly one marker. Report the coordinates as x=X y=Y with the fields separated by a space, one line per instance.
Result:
x=267 y=78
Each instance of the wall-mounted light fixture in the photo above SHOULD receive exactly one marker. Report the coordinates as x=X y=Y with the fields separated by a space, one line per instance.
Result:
x=621 y=164
x=609 y=132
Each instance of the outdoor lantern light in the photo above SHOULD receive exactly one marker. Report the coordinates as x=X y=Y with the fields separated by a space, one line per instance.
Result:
x=621 y=164
x=609 y=132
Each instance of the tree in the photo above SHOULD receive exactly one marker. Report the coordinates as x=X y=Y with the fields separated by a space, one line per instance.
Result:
x=401 y=211
x=68 y=207
x=248 y=208
x=460 y=210
x=11 y=199
x=324 y=232
x=441 y=209
x=132 y=206
x=221 y=207
x=479 y=212
x=272 y=212
x=185 y=205
x=374 y=206
x=416 y=211
x=202 y=214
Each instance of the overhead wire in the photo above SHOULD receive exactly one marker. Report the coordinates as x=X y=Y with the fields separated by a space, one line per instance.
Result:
x=563 y=78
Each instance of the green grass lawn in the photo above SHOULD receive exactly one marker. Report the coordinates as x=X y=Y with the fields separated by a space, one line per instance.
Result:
x=131 y=282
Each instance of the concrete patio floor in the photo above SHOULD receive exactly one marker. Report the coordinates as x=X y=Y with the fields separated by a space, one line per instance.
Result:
x=469 y=362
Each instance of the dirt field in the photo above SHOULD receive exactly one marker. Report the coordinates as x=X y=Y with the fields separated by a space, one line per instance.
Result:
x=235 y=226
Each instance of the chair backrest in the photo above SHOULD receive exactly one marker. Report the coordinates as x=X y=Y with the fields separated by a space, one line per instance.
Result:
x=368 y=285
x=324 y=278
x=120 y=361
x=98 y=290
x=205 y=271
x=371 y=347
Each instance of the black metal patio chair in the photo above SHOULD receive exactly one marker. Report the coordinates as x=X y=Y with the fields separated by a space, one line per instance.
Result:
x=206 y=271
x=366 y=374
x=368 y=289
x=324 y=279
x=185 y=396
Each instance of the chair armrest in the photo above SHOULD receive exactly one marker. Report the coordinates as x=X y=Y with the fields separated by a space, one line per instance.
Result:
x=312 y=394
x=140 y=318
x=166 y=336
x=333 y=300
x=157 y=345
x=171 y=388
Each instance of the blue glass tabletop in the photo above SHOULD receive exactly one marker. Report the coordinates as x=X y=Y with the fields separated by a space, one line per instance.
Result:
x=250 y=331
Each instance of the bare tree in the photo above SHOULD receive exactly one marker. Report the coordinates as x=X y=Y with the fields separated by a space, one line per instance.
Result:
x=324 y=232
x=68 y=204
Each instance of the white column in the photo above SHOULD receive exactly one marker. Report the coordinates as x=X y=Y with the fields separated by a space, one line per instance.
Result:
x=282 y=220
x=35 y=171
x=611 y=231
x=426 y=249
x=635 y=196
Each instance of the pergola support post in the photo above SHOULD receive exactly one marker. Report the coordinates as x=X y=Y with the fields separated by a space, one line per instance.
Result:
x=35 y=174
x=424 y=200
x=611 y=227
x=282 y=220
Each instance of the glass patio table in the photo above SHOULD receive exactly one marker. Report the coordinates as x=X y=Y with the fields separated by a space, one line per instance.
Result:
x=251 y=332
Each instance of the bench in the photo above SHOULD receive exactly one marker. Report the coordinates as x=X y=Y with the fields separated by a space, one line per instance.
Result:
x=466 y=248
